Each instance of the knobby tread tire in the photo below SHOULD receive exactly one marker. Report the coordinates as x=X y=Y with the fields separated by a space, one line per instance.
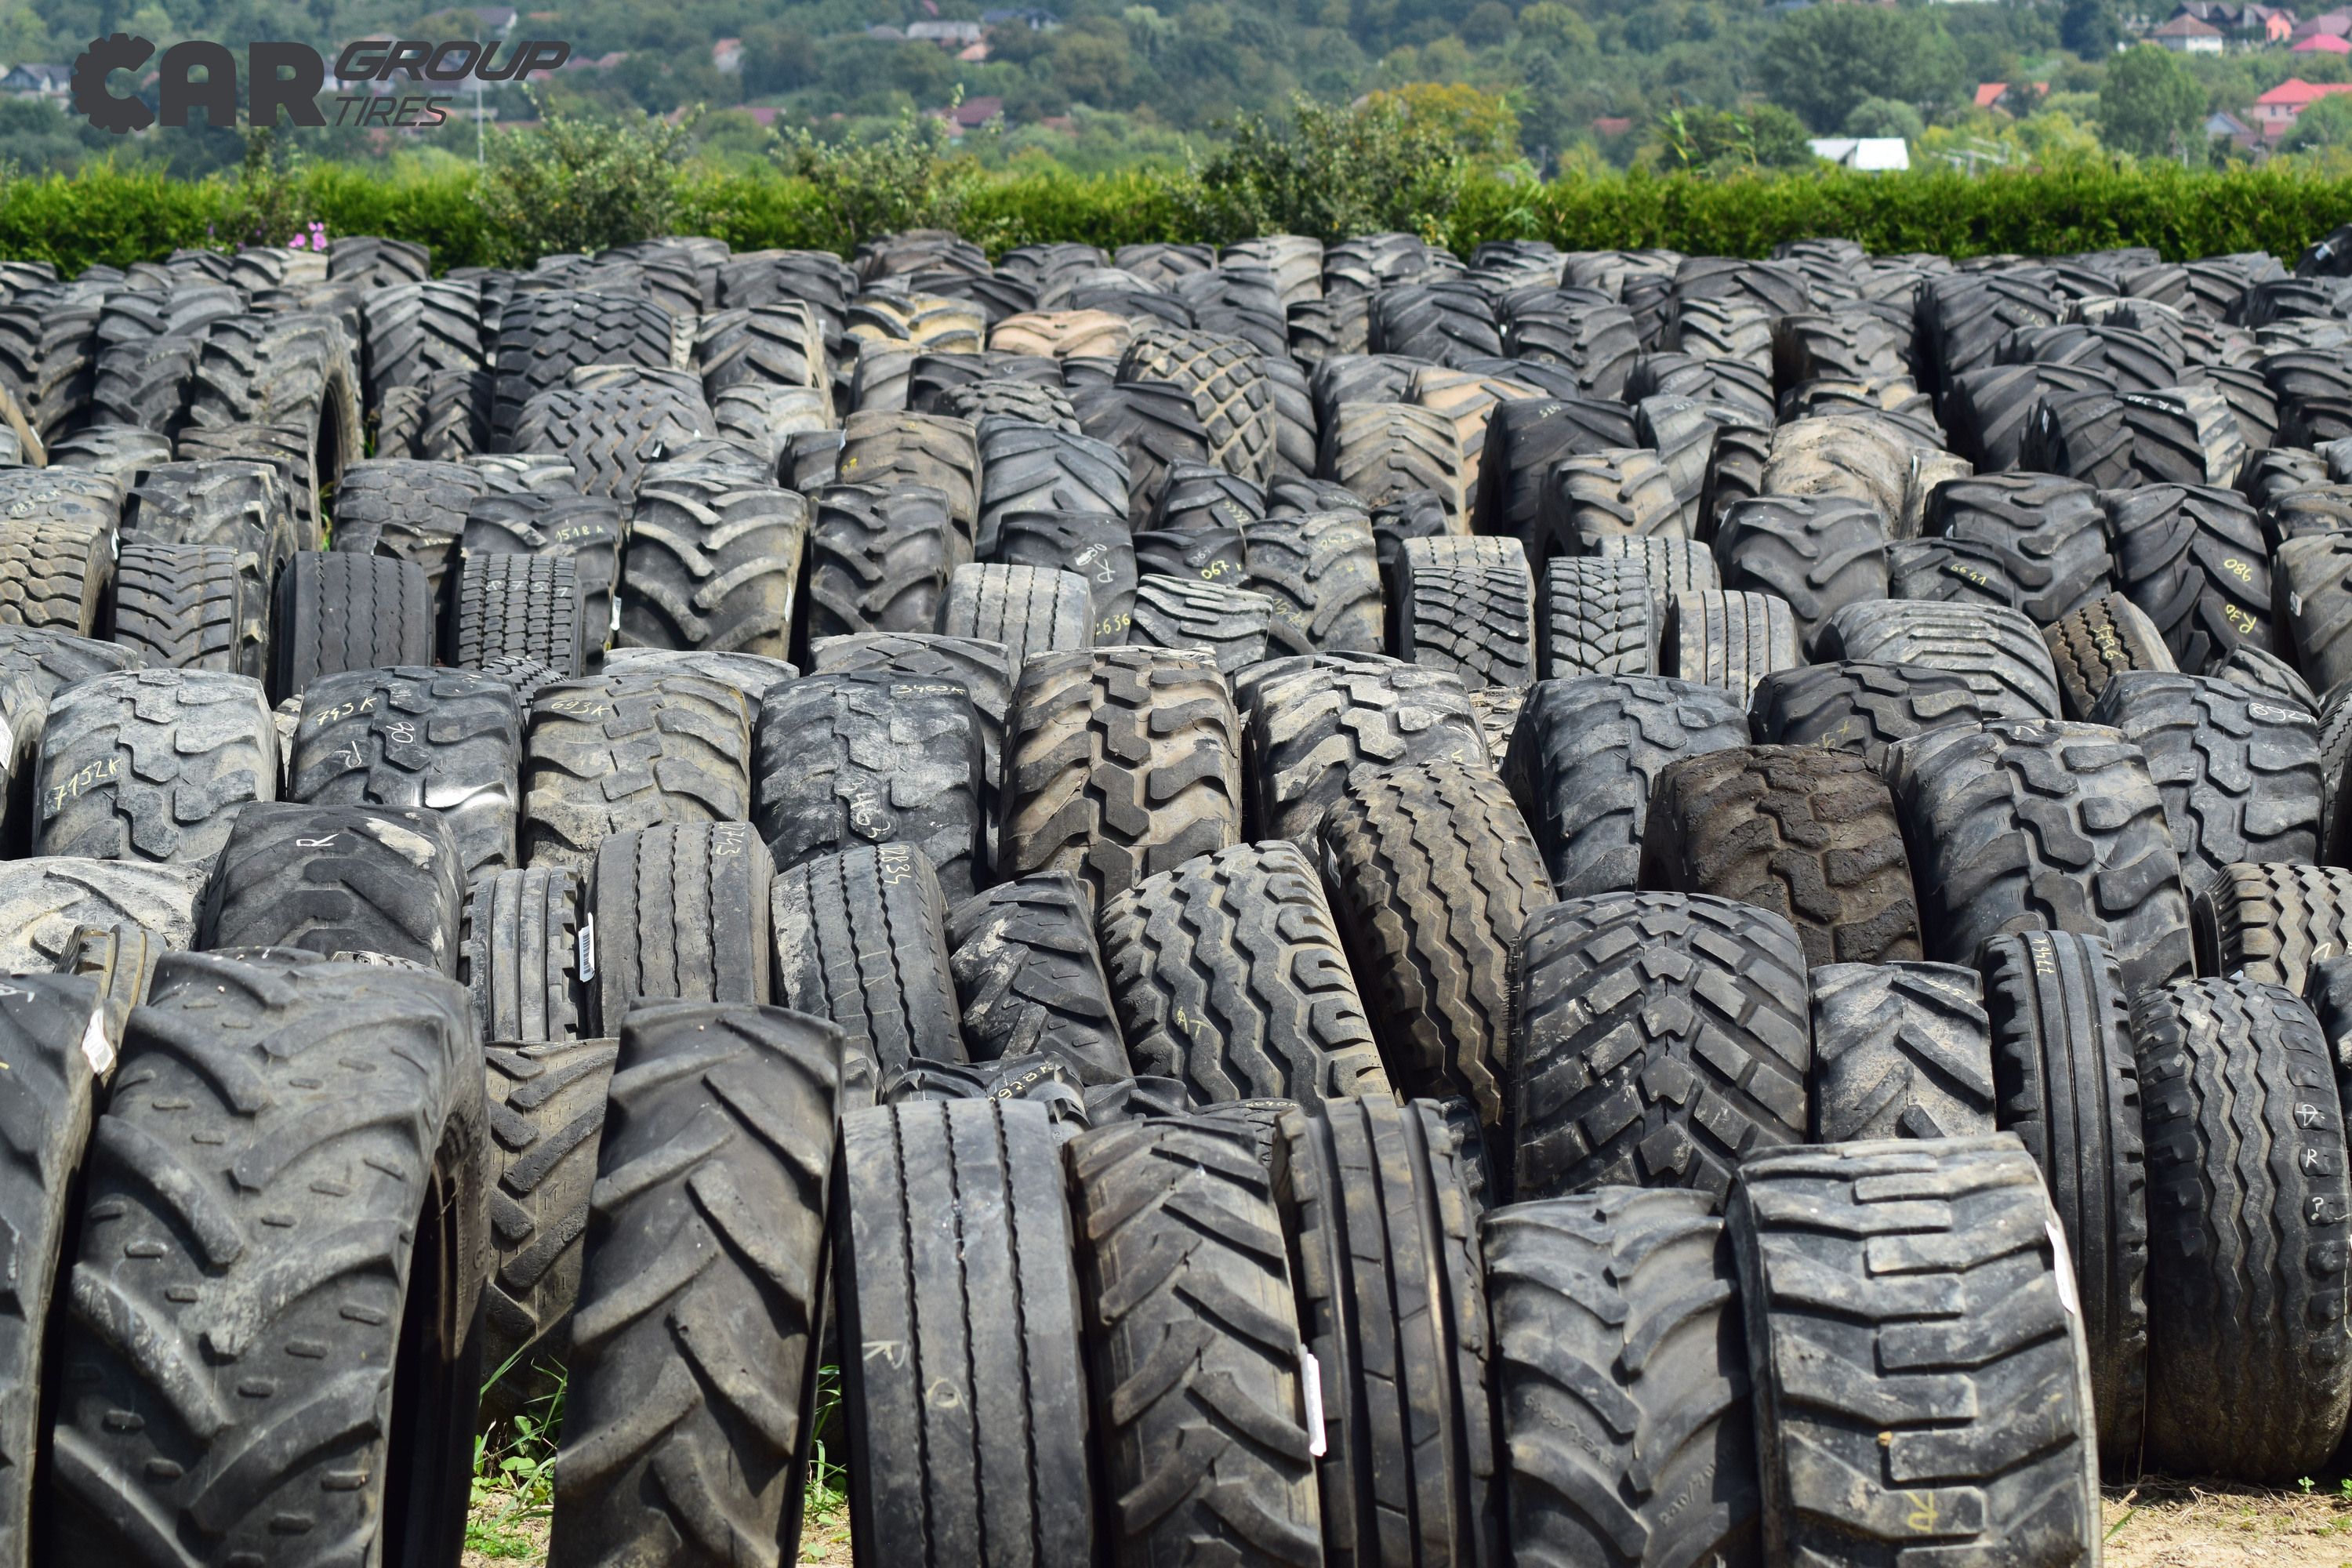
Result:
x=46 y=901
x=520 y=606
x=1597 y=616
x=617 y=754
x=712 y=561
x=1030 y=977
x=190 y=607
x=337 y=879
x=1859 y=708
x=1900 y=1050
x=1312 y=719
x=1467 y=605
x=978 y=667
x=149 y=765
x=443 y=740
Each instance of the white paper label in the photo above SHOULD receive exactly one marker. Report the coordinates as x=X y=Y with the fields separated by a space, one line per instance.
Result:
x=7 y=744
x=588 y=949
x=2064 y=1261
x=95 y=1047
x=1310 y=1378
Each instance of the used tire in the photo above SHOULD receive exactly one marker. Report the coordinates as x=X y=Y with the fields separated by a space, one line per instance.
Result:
x=1596 y=616
x=1859 y=708
x=1730 y=639
x=681 y=914
x=150 y=764
x=190 y=607
x=336 y=878
x=2091 y=646
x=1998 y=650
x=861 y=939
x=1900 y=1050
x=879 y=559
x=1311 y=720
x=712 y=562
x=620 y=752
x=1030 y=610
x=47 y=900
x=521 y=955
x=519 y=606
x=1030 y=978
x=2273 y=923
x=1467 y=605
x=443 y=740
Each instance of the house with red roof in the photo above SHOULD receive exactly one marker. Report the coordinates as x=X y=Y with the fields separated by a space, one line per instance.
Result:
x=2185 y=35
x=2274 y=113
x=2323 y=44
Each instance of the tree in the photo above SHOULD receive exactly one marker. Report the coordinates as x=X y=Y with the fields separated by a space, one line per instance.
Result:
x=777 y=58
x=1489 y=23
x=2326 y=124
x=2089 y=29
x=1884 y=117
x=1778 y=137
x=2149 y=103
x=1824 y=61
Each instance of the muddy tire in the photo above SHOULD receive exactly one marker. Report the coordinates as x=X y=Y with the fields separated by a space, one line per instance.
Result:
x=879 y=559
x=618 y=753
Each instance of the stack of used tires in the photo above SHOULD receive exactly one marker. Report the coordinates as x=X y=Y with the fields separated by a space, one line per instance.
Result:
x=1310 y=901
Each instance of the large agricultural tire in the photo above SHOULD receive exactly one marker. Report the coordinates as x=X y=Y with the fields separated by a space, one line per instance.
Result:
x=2001 y=653
x=1433 y=872
x=1232 y=626
x=681 y=916
x=190 y=607
x=705 y=1100
x=54 y=573
x=1856 y=1466
x=521 y=955
x=968 y=1441
x=2247 y=1202
x=861 y=939
x=46 y=900
x=353 y=1400
x=1900 y=1050
x=2048 y=534
x=1322 y=571
x=447 y=740
x=1168 y=1212
x=1228 y=974
x=150 y=764
x=337 y=879
x=2041 y=826
x=1312 y=719
x=2091 y=646
x=1683 y=1016
x=2274 y=924
x=2192 y=556
x=879 y=559
x=1859 y=708
x=1467 y=605
x=519 y=606
x=1029 y=975
x=620 y=752
x=1817 y=554
x=2068 y=1085
x=712 y=561
x=1621 y=1380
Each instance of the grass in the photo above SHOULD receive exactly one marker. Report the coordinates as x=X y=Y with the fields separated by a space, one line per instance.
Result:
x=2165 y=1523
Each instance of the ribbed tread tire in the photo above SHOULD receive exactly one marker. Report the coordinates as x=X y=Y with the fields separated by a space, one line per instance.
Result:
x=2273 y=923
x=120 y=960
x=547 y=1119
x=2041 y=826
x=681 y=915
x=1384 y=1258
x=2248 y=1374
x=337 y=879
x=1675 y=566
x=1030 y=610
x=520 y=955
x=46 y=901
x=1729 y=638
x=54 y=572
x=2069 y=1088
x=861 y=939
x=1433 y=873
x=879 y=559
x=254 y=1094
x=1621 y=1380
x=1192 y=1342
x=709 y=1207
x=1596 y=616
x=150 y=764
x=1228 y=974
x=1859 y=1460
x=1807 y=833
x=2091 y=646
x=1657 y=1039
x=2001 y=653
x=1322 y=570
x=520 y=606
x=1029 y=974
x=1119 y=763
x=1585 y=755
x=617 y=754
x=1311 y=720
x=1900 y=1050
x=1859 y=708
x=190 y=607
x=968 y=1438
x=713 y=560
x=1467 y=605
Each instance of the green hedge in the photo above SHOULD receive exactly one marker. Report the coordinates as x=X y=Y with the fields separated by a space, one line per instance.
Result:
x=105 y=214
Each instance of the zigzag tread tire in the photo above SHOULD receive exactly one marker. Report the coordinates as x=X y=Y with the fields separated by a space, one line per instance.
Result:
x=149 y=765
x=337 y=879
x=1900 y=1050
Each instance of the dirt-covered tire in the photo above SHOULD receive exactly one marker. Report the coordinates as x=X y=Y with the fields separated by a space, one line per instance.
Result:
x=1729 y=639
x=547 y=1119
x=1380 y=450
x=1232 y=626
x=150 y=764
x=2274 y=924
x=1311 y=719
x=2248 y=1374
x=1807 y=833
x=1433 y=871
x=339 y=611
x=2001 y=653
x=1383 y=1227
x=2240 y=776
x=519 y=606
x=1322 y=571
x=1119 y=763
x=54 y=572
x=895 y=451
x=1596 y=616
x=336 y=878
x=1584 y=757
x=1619 y=493
x=618 y=753
x=2069 y=1087
x=2091 y=646
x=879 y=559
x=2048 y=534
x=1900 y=1050
x=2036 y=824
x=1858 y=706
x=872 y=757
x=45 y=901
x=190 y=607
x=861 y=939
x=1851 y=1463
x=1525 y=440
x=1029 y=975
x=1620 y=1381
x=1030 y=610
x=1467 y=605
x=712 y=561
x=680 y=914
x=1683 y=1015
x=1169 y=1212
x=1816 y=553
x=978 y=667
x=968 y=1445
x=443 y=740
x=2192 y=556
x=705 y=1099
x=281 y=1071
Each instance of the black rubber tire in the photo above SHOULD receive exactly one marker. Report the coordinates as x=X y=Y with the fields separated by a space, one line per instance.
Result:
x=1201 y=497
x=1685 y=1015
x=752 y=674
x=1619 y=493
x=120 y=960
x=1675 y=566
x=2001 y=652
x=1119 y=763
x=1169 y=1212
x=879 y=559
x=713 y=560
x=2240 y=776
x=1230 y=393
x=1031 y=469
x=2036 y=824
x=861 y=939
x=1467 y=605
x=336 y=878
x=542 y=337
x=586 y=530
x=1595 y=341
x=2248 y=1374
x=1841 y=1443
x=117 y=451
x=54 y=571
x=143 y=382
x=1383 y=1232
x=1030 y=977
x=1584 y=757
x=1042 y=1081
x=1433 y=873
x=242 y=505
x=190 y=607
x=1859 y=708
x=1596 y=616
x=330 y=1067
x=2069 y=1087
x=1729 y=639
x=446 y=741
x=1950 y=570
x=1230 y=626
x=150 y=764
x=519 y=606
x=415 y=510
x=2313 y=577
x=46 y=901
x=1310 y=721
x=2048 y=534
x=1815 y=553
x=871 y=757
x=1228 y=974
x=895 y=451
x=1096 y=546
x=416 y=328
x=618 y=753
x=1900 y=1050
x=2273 y=923
x=1152 y=424
x=1523 y=441
x=705 y=1100
x=2267 y=677
x=520 y=955
x=1621 y=1380
x=2092 y=646
x=339 y=611
x=1322 y=571
x=681 y=915
x=1807 y=833
x=2193 y=558
x=980 y=668
x=1031 y=610
x=968 y=1442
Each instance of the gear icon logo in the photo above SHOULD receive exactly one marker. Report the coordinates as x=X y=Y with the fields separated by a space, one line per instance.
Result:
x=121 y=51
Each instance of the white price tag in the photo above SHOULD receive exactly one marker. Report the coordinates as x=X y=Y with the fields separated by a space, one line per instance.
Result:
x=588 y=949
x=96 y=1048
x=1310 y=1379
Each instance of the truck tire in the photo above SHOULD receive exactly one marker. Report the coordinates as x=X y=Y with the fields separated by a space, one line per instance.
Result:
x=1467 y=605
x=681 y=915
x=2273 y=923
x=520 y=955
x=2091 y=646
x=1030 y=977
x=150 y=764
x=1729 y=638
x=861 y=939
x=339 y=611
x=336 y=878
x=190 y=607
x=1900 y=1050
x=1030 y=610
x=2192 y=557
x=1815 y=553
x=54 y=573
x=519 y=606
x=620 y=752
x=1597 y=616
x=1859 y=708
